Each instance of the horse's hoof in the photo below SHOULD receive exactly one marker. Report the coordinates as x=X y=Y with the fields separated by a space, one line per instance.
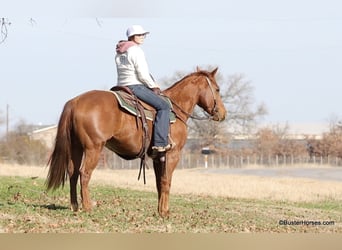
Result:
x=74 y=207
x=86 y=209
x=164 y=214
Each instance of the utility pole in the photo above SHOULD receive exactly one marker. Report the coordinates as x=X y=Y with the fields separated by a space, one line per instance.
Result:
x=7 y=121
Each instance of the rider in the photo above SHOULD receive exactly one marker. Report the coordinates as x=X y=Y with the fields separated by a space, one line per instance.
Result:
x=133 y=73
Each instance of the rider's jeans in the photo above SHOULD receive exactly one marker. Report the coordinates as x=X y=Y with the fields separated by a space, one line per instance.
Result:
x=162 y=120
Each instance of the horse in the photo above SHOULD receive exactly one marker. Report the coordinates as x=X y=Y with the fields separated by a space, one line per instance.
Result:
x=94 y=120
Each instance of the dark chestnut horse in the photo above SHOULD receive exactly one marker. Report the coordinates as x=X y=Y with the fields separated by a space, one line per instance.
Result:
x=94 y=119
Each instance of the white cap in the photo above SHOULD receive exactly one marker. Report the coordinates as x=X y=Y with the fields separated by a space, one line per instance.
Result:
x=136 y=30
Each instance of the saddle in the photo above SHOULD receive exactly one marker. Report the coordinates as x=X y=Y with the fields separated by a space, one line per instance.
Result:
x=129 y=102
x=143 y=112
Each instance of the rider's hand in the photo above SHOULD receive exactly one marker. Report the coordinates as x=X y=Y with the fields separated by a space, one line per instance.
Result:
x=156 y=90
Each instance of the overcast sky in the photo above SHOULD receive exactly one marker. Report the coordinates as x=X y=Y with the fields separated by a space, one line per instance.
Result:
x=290 y=51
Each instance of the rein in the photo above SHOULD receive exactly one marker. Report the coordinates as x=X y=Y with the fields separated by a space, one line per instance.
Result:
x=193 y=116
x=143 y=152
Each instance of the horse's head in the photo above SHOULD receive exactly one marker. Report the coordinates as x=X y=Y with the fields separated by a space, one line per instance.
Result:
x=209 y=98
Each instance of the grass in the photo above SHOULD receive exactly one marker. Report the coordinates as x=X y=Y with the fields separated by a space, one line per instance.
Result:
x=26 y=207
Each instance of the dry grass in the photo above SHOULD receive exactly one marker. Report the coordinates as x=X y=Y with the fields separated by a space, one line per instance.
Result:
x=192 y=181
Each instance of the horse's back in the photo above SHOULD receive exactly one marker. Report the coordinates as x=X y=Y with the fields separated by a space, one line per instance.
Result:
x=99 y=118
x=95 y=97
x=95 y=113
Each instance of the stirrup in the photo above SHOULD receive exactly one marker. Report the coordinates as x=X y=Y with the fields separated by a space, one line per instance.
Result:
x=160 y=149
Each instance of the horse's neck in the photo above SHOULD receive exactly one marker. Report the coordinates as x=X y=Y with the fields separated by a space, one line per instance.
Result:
x=184 y=94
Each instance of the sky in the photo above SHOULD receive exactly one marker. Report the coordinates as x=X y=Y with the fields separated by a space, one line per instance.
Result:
x=290 y=51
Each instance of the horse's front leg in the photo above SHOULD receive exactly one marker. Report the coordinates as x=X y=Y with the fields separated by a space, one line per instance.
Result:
x=163 y=169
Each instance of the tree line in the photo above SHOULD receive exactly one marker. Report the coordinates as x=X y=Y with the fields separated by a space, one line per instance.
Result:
x=17 y=147
x=244 y=114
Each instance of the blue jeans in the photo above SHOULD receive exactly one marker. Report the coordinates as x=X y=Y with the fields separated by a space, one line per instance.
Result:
x=162 y=120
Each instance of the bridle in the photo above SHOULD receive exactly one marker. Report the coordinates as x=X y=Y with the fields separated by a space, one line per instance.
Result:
x=208 y=117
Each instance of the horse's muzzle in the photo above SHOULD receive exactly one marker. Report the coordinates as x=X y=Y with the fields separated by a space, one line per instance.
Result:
x=219 y=115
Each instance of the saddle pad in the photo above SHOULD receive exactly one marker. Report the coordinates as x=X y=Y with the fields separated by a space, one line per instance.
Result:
x=128 y=106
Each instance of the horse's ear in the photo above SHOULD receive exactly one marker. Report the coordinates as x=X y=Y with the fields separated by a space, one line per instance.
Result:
x=198 y=69
x=214 y=71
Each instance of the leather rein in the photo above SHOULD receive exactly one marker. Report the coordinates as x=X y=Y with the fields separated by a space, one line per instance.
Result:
x=209 y=117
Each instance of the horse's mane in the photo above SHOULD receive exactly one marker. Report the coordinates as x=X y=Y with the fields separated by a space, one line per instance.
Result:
x=197 y=73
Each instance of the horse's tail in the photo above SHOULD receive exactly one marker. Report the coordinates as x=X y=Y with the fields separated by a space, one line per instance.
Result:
x=60 y=158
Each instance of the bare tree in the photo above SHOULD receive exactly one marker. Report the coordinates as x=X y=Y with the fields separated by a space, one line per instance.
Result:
x=20 y=148
x=4 y=23
x=331 y=142
x=237 y=94
x=266 y=142
x=2 y=119
x=243 y=112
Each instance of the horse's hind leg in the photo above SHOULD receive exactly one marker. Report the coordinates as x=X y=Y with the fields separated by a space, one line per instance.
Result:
x=74 y=172
x=91 y=158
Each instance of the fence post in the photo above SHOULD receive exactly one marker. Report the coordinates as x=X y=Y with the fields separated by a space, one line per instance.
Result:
x=205 y=161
